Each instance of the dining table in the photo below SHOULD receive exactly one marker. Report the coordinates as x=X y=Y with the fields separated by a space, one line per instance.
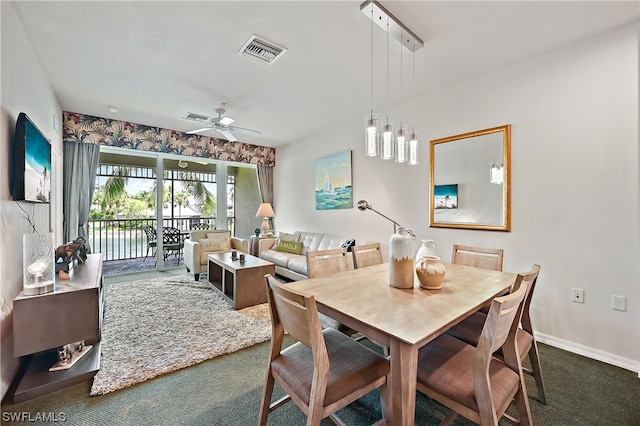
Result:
x=403 y=320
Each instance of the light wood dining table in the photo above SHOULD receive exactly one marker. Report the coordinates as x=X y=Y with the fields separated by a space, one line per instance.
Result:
x=402 y=319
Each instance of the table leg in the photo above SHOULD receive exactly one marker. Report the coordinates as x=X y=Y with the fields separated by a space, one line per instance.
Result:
x=404 y=373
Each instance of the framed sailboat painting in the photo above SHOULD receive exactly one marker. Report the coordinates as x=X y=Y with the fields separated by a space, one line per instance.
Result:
x=333 y=182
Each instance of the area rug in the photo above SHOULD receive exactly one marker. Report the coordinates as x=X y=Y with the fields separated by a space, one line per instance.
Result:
x=152 y=327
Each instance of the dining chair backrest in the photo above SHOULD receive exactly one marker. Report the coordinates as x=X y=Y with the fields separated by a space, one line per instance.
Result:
x=531 y=278
x=295 y=314
x=326 y=262
x=366 y=255
x=480 y=257
x=502 y=320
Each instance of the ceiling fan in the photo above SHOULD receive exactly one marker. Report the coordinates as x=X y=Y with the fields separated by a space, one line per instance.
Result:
x=220 y=123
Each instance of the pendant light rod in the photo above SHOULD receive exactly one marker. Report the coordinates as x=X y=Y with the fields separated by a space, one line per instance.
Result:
x=397 y=29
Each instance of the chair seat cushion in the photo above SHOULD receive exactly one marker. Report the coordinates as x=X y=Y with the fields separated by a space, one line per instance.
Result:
x=445 y=366
x=352 y=366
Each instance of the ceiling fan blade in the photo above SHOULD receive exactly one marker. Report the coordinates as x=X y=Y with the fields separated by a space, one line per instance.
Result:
x=227 y=134
x=247 y=131
x=193 y=132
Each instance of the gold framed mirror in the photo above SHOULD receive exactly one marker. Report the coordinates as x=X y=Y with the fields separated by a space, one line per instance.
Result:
x=470 y=176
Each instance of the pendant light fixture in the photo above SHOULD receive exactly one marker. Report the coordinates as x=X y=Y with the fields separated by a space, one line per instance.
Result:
x=386 y=152
x=496 y=175
x=413 y=144
x=402 y=147
x=372 y=134
x=412 y=147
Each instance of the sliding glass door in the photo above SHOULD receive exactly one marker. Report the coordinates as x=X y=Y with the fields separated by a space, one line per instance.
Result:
x=146 y=204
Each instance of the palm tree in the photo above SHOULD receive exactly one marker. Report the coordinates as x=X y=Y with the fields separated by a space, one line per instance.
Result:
x=114 y=189
x=181 y=199
x=205 y=201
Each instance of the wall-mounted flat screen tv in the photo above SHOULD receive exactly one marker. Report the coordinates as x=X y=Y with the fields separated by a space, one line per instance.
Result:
x=31 y=163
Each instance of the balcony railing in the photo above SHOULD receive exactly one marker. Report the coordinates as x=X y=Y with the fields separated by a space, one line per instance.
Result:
x=122 y=239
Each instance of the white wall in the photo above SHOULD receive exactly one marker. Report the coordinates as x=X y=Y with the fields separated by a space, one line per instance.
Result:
x=574 y=117
x=25 y=88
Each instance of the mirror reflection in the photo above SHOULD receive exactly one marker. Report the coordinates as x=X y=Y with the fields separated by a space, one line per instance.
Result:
x=470 y=178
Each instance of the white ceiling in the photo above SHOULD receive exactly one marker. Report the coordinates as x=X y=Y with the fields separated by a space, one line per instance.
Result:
x=156 y=60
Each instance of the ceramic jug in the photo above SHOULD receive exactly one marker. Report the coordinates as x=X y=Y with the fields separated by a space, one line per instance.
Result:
x=430 y=272
x=428 y=248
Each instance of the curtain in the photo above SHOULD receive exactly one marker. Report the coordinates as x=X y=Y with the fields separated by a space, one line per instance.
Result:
x=80 y=163
x=265 y=182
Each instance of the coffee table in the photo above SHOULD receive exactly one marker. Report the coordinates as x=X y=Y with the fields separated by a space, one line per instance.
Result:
x=242 y=284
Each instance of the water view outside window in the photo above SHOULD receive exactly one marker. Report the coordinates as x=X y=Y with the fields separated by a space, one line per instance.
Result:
x=125 y=201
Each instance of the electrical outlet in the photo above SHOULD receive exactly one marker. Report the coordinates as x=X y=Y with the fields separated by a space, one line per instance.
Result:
x=577 y=295
x=618 y=303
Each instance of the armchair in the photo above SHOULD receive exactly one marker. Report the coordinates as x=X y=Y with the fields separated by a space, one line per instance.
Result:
x=204 y=242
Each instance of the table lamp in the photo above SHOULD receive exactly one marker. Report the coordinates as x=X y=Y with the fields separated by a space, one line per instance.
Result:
x=266 y=211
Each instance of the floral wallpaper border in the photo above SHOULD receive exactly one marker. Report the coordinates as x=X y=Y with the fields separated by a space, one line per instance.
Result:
x=123 y=134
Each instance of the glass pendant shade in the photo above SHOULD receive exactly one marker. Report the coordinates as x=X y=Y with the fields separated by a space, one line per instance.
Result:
x=371 y=136
x=401 y=145
x=387 y=148
x=412 y=148
x=497 y=173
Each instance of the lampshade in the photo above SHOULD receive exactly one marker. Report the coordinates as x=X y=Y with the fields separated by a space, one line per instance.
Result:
x=401 y=145
x=386 y=149
x=265 y=210
x=372 y=137
x=413 y=149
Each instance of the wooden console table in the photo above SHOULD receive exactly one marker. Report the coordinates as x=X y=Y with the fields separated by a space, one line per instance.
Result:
x=242 y=284
x=44 y=322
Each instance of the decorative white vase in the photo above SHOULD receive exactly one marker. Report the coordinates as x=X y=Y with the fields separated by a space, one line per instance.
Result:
x=401 y=266
x=428 y=248
x=430 y=272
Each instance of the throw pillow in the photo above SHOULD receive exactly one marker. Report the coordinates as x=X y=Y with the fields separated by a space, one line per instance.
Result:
x=283 y=236
x=294 y=247
x=348 y=244
x=222 y=238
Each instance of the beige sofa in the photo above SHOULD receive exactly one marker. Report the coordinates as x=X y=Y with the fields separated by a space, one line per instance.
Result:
x=201 y=244
x=292 y=265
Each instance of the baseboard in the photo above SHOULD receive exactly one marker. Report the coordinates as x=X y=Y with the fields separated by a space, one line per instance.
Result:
x=609 y=358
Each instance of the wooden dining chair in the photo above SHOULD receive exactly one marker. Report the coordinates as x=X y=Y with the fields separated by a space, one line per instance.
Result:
x=325 y=262
x=480 y=257
x=366 y=255
x=321 y=263
x=470 y=380
x=469 y=331
x=324 y=370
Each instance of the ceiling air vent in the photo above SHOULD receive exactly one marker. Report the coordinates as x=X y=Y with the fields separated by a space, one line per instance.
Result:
x=196 y=117
x=261 y=49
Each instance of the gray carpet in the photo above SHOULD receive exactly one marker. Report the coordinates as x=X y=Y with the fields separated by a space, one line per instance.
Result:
x=155 y=326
